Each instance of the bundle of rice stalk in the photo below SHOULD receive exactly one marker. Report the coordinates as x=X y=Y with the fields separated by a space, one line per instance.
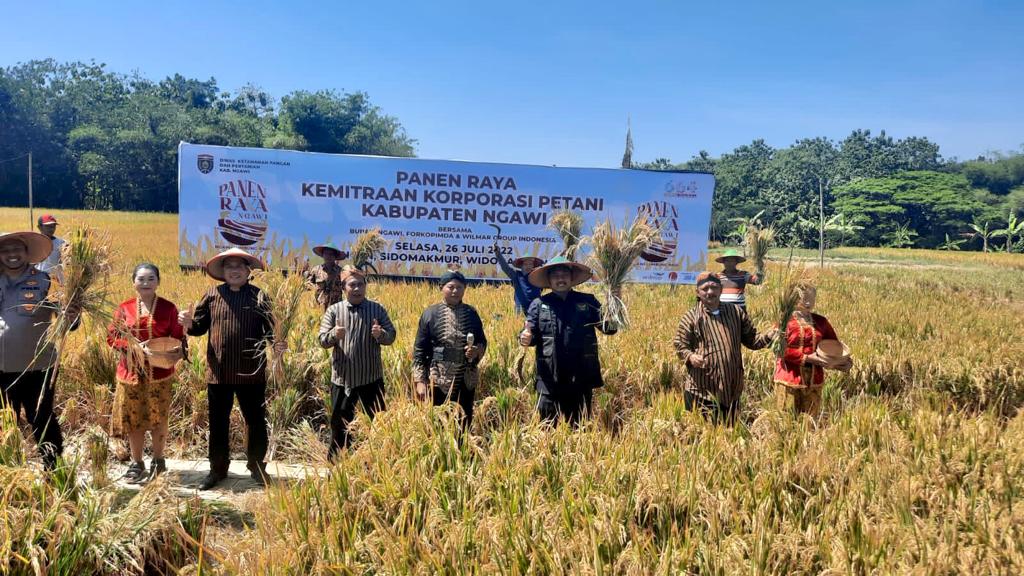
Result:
x=366 y=247
x=85 y=291
x=135 y=356
x=12 y=453
x=98 y=449
x=281 y=299
x=785 y=305
x=615 y=250
x=569 y=226
x=759 y=242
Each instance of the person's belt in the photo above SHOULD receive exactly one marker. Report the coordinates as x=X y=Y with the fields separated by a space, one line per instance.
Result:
x=449 y=354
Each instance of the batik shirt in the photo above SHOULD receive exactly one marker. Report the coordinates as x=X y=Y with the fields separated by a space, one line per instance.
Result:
x=439 y=352
x=240 y=328
x=717 y=336
x=356 y=359
x=327 y=282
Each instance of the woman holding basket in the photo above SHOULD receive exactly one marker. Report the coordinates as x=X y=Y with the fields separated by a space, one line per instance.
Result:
x=146 y=332
x=811 y=347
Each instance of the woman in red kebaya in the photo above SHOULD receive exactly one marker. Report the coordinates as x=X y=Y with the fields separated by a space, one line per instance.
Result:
x=143 y=397
x=800 y=373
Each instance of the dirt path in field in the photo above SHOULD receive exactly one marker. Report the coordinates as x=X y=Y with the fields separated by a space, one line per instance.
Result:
x=879 y=263
x=237 y=489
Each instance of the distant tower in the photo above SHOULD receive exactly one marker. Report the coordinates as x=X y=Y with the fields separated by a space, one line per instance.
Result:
x=627 y=156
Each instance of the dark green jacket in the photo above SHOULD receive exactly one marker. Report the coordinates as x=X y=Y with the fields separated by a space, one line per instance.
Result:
x=565 y=337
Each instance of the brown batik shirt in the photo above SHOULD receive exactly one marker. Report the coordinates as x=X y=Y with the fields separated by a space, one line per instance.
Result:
x=240 y=329
x=439 y=351
x=717 y=337
x=326 y=280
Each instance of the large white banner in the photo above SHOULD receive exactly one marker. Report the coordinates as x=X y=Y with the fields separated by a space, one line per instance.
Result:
x=435 y=214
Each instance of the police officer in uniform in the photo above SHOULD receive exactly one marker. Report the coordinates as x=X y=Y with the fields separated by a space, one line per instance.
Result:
x=26 y=358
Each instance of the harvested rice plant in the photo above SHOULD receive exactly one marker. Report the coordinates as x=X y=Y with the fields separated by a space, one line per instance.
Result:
x=916 y=464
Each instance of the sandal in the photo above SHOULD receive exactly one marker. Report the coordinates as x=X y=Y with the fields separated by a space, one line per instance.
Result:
x=157 y=466
x=136 y=473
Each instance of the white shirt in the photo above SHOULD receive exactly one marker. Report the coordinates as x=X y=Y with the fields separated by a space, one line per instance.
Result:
x=52 y=263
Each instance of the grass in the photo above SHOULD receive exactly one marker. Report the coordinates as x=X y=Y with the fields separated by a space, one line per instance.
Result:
x=916 y=465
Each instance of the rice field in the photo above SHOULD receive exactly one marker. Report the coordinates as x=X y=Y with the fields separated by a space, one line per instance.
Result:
x=915 y=466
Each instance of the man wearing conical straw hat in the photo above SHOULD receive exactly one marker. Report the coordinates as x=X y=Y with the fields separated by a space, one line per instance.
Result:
x=326 y=277
x=708 y=342
x=519 y=272
x=734 y=280
x=240 y=328
x=26 y=357
x=561 y=325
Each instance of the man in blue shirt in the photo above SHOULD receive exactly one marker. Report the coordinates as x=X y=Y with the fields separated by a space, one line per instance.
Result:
x=518 y=272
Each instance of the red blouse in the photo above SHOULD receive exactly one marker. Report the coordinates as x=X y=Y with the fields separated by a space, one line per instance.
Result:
x=802 y=340
x=163 y=323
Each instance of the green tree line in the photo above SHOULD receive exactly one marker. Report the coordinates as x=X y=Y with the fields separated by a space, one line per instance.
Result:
x=875 y=191
x=101 y=140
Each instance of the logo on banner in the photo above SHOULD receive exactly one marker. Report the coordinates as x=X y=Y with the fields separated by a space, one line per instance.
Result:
x=677 y=189
x=243 y=212
x=205 y=163
x=664 y=216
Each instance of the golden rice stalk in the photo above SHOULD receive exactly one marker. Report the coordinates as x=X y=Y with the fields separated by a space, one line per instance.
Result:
x=12 y=452
x=366 y=247
x=85 y=261
x=135 y=354
x=614 y=252
x=98 y=450
x=281 y=299
x=759 y=241
x=569 y=225
x=785 y=305
x=86 y=264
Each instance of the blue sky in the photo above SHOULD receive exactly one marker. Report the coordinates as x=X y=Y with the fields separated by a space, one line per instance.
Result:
x=553 y=82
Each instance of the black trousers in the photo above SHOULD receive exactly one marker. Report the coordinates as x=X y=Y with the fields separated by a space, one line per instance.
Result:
x=21 y=391
x=574 y=406
x=343 y=410
x=463 y=397
x=252 y=402
x=711 y=410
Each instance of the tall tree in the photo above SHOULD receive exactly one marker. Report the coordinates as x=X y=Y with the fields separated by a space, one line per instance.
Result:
x=741 y=177
x=105 y=140
x=805 y=175
x=328 y=121
x=929 y=204
x=861 y=156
